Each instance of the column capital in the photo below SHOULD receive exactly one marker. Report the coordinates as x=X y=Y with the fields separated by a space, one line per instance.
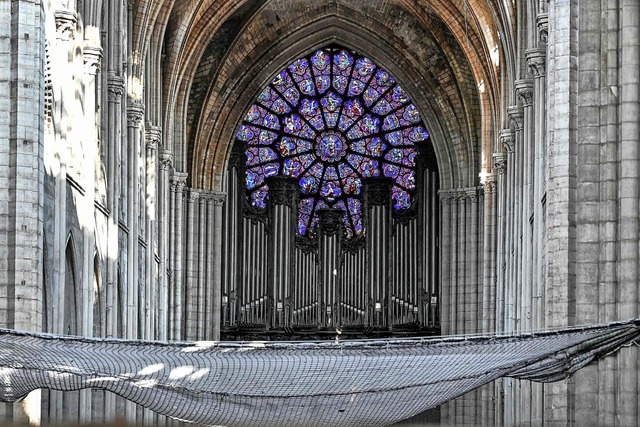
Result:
x=66 y=21
x=543 y=27
x=330 y=221
x=507 y=140
x=282 y=190
x=115 y=86
x=178 y=181
x=500 y=163
x=193 y=195
x=447 y=196
x=135 y=113
x=516 y=117
x=472 y=194
x=489 y=183
x=92 y=56
x=166 y=160
x=536 y=60
x=524 y=89
x=377 y=190
x=152 y=137
x=218 y=198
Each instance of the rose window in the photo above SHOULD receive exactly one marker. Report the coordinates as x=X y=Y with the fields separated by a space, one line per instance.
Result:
x=329 y=120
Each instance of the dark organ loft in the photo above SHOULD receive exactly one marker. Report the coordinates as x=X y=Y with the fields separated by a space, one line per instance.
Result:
x=332 y=213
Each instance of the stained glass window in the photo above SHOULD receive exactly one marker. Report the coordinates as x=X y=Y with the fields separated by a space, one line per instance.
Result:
x=329 y=120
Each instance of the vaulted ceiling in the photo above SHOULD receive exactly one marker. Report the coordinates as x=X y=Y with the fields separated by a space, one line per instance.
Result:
x=452 y=56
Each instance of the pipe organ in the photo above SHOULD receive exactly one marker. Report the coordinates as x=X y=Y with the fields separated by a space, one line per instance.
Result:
x=278 y=284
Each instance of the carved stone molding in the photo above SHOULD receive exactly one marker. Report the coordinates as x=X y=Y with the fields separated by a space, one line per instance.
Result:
x=152 y=137
x=66 y=21
x=282 y=190
x=543 y=27
x=115 y=86
x=490 y=183
x=447 y=196
x=218 y=198
x=500 y=163
x=507 y=140
x=193 y=195
x=135 y=113
x=92 y=56
x=178 y=181
x=166 y=160
x=472 y=194
x=516 y=117
x=524 y=89
x=330 y=221
x=378 y=191
x=536 y=60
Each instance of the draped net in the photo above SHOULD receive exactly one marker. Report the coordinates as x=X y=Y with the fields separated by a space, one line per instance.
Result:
x=349 y=383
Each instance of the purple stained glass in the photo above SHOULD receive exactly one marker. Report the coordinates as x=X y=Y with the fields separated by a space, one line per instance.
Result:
x=331 y=119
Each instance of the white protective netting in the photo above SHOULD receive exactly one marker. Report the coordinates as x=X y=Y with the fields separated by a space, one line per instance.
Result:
x=357 y=383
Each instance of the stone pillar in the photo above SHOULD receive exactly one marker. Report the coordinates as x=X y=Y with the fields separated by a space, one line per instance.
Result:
x=445 y=264
x=204 y=298
x=329 y=242
x=178 y=183
x=190 y=289
x=86 y=210
x=488 y=324
x=536 y=60
x=377 y=194
x=282 y=199
x=114 y=137
x=216 y=207
x=164 y=199
x=135 y=114
x=153 y=136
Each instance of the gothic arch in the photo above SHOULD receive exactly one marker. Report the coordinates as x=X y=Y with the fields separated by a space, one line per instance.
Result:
x=454 y=137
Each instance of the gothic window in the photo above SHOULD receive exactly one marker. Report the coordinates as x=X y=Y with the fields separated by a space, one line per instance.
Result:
x=329 y=120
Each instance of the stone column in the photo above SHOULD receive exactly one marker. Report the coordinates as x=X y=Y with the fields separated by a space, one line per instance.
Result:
x=86 y=212
x=153 y=136
x=164 y=199
x=488 y=323
x=536 y=60
x=282 y=199
x=190 y=297
x=114 y=137
x=629 y=223
x=203 y=298
x=135 y=114
x=445 y=264
x=178 y=184
x=377 y=192
x=216 y=207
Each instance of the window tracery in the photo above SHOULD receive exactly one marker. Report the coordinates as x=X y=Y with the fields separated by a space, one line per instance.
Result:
x=330 y=120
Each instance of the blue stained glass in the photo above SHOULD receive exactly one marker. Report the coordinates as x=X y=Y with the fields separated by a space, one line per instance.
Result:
x=306 y=206
x=291 y=167
x=417 y=134
x=390 y=171
x=299 y=67
x=259 y=197
x=308 y=185
x=382 y=107
x=245 y=133
x=329 y=120
x=330 y=190
x=321 y=60
x=401 y=199
x=343 y=60
x=355 y=87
